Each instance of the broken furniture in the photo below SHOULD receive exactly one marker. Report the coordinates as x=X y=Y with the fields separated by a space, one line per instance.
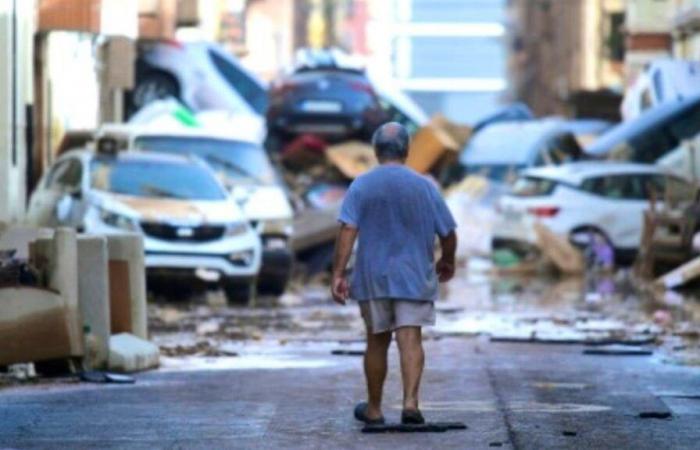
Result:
x=44 y=322
x=88 y=288
x=667 y=236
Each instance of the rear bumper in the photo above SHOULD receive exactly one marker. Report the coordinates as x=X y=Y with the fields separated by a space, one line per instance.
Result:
x=327 y=124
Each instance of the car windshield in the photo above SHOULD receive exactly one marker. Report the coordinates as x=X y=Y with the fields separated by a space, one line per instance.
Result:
x=154 y=179
x=238 y=160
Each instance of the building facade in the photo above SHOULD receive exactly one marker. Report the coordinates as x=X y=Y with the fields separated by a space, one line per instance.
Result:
x=565 y=52
x=449 y=55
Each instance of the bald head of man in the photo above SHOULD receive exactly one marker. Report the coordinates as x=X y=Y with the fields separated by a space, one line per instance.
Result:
x=391 y=142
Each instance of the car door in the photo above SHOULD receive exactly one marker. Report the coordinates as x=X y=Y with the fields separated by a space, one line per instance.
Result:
x=620 y=211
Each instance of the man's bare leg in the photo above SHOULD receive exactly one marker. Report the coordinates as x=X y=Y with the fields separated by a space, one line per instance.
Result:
x=410 y=343
x=375 y=370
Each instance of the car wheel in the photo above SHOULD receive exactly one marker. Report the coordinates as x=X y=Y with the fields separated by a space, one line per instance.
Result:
x=273 y=285
x=154 y=86
x=585 y=238
x=240 y=292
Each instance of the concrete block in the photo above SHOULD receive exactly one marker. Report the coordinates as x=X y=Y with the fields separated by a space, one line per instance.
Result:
x=35 y=326
x=63 y=277
x=128 y=353
x=93 y=297
x=127 y=284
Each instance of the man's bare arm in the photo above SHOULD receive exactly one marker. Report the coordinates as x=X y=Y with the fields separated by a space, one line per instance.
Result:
x=343 y=249
x=446 y=265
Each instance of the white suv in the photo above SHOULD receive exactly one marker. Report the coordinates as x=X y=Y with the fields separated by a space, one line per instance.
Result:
x=580 y=199
x=191 y=226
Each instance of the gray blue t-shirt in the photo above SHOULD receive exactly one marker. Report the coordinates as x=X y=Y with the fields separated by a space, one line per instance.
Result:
x=398 y=213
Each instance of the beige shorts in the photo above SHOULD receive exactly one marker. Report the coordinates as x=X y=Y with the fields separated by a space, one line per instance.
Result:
x=389 y=314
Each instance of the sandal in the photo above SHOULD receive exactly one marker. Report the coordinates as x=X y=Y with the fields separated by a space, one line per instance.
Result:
x=412 y=417
x=361 y=415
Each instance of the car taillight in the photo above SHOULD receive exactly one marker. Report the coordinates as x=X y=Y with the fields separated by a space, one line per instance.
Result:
x=284 y=87
x=173 y=43
x=544 y=211
x=360 y=86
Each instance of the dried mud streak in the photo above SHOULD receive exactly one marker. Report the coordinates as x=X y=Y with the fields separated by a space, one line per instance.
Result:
x=501 y=406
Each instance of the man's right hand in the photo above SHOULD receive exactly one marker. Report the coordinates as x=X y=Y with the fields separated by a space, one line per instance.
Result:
x=445 y=270
x=340 y=289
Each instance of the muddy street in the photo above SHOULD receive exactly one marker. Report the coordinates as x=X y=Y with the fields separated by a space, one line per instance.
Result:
x=610 y=310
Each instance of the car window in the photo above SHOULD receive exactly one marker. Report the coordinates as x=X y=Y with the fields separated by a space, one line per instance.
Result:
x=65 y=176
x=533 y=187
x=559 y=149
x=161 y=179
x=620 y=187
x=241 y=82
x=657 y=140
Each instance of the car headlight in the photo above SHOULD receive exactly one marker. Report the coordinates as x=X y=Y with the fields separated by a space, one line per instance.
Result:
x=118 y=220
x=236 y=229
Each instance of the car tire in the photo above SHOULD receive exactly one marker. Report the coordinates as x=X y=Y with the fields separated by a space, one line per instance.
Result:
x=240 y=292
x=273 y=285
x=585 y=246
x=154 y=86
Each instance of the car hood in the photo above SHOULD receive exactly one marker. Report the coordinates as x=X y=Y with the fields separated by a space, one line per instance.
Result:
x=263 y=202
x=191 y=212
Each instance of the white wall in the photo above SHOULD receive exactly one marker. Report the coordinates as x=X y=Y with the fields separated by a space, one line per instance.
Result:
x=16 y=44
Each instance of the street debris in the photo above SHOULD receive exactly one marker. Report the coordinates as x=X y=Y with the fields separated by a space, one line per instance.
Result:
x=618 y=350
x=97 y=376
x=428 y=427
x=128 y=353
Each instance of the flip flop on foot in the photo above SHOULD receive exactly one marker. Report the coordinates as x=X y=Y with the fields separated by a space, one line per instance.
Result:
x=361 y=415
x=412 y=417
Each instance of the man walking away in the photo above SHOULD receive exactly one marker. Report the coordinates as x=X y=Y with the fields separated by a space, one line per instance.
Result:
x=396 y=213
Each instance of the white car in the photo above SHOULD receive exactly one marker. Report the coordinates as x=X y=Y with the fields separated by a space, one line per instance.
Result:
x=665 y=80
x=202 y=75
x=577 y=200
x=190 y=225
x=245 y=169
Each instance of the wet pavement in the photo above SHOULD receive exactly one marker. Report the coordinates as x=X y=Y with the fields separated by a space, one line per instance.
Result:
x=509 y=356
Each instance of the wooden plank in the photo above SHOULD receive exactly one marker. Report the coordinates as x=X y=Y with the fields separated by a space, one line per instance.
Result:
x=680 y=275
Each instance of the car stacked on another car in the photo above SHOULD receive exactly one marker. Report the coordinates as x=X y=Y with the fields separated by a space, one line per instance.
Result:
x=582 y=200
x=325 y=98
x=190 y=225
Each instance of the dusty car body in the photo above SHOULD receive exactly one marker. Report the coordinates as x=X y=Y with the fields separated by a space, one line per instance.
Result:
x=582 y=199
x=244 y=168
x=202 y=76
x=651 y=135
x=191 y=227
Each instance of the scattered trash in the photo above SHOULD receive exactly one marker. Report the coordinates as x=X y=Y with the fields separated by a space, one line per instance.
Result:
x=434 y=427
x=128 y=353
x=567 y=258
x=97 y=376
x=341 y=352
x=655 y=415
x=618 y=350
